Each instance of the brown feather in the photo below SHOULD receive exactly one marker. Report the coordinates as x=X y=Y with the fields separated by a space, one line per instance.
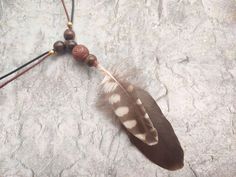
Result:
x=129 y=109
x=168 y=152
x=163 y=148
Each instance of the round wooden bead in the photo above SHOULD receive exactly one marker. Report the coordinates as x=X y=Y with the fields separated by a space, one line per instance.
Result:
x=69 y=34
x=59 y=47
x=80 y=52
x=91 y=60
x=70 y=44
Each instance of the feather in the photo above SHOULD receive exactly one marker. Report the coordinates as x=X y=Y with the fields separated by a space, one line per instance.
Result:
x=146 y=126
x=127 y=106
x=168 y=153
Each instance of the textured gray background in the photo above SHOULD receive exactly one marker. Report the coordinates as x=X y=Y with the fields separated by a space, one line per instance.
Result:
x=49 y=126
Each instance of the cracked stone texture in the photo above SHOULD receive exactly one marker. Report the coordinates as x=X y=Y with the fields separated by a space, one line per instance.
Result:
x=49 y=126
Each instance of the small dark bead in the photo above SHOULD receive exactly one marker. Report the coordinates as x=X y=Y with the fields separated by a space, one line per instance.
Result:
x=91 y=60
x=69 y=34
x=59 y=47
x=70 y=44
x=80 y=52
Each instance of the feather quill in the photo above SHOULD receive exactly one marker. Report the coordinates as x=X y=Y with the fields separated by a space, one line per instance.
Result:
x=146 y=126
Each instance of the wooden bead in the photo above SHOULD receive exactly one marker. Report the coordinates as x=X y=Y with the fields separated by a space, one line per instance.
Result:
x=70 y=44
x=69 y=34
x=59 y=47
x=80 y=52
x=91 y=60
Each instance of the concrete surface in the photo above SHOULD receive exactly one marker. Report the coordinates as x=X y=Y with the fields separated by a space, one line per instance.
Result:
x=49 y=126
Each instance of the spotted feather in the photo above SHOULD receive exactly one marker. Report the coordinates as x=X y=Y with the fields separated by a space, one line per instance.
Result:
x=142 y=118
x=129 y=109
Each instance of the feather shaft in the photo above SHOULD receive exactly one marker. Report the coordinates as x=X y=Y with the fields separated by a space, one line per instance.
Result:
x=106 y=72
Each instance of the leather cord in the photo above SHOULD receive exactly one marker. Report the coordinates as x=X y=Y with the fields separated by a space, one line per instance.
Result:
x=39 y=58
x=27 y=69
x=22 y=66
x=64 y=6
x=72 y=11
x=70 y=19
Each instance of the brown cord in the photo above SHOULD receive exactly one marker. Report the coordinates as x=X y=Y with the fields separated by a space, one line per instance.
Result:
x=27 y=69
x=44 y=55
x=64 y=6
x=24 y=65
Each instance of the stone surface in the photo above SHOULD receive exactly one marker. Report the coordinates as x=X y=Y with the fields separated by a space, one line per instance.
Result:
x=49 y=126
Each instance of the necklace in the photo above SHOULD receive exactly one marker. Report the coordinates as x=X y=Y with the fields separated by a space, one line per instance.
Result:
x=139 y=114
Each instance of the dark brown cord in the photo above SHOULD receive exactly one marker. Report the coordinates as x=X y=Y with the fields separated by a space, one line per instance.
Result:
x=24 y=65
x=64 y=6
x=70 y=19
x=72 y=11
x=44 y=55
x=27 y=69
